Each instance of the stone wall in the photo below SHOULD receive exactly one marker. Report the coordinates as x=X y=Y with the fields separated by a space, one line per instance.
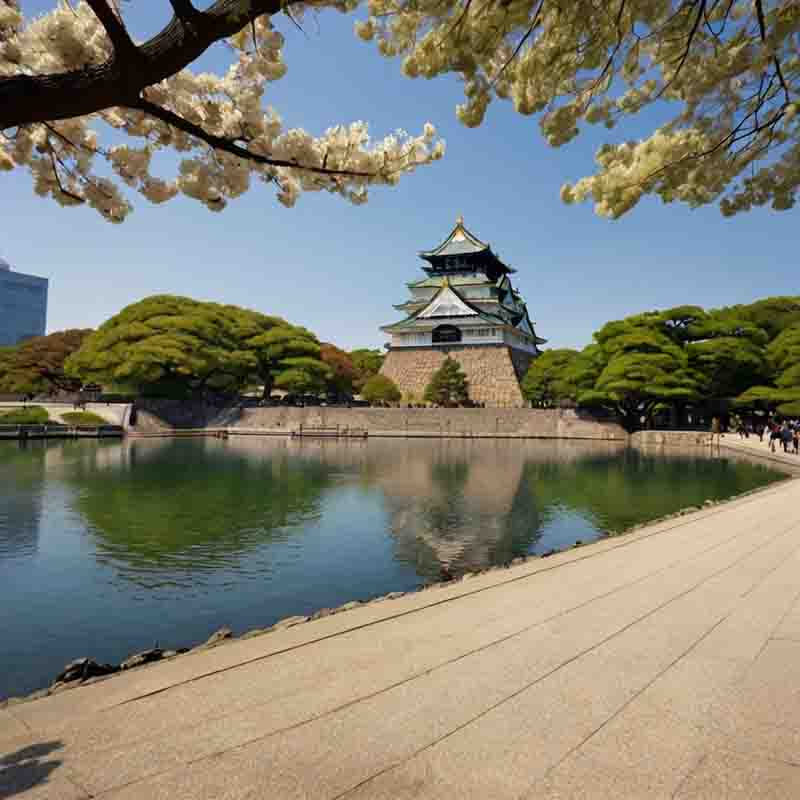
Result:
x=493 y=371
x=671 y=438
x=154 y=415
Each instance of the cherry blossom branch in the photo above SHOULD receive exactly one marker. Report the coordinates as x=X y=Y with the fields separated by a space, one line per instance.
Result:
x=229 y=146
x=183 y=9
x=120 y=80
x=73 y=145
x=123 y=45
x=762 y=28
x=531 y=29
x=61 y=188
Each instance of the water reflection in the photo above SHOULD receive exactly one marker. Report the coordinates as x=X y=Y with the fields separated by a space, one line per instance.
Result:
x=182 y=508
x=458 y=507
x=165 y=512
x=157 y=506
x=22 y=467
x=172 y=539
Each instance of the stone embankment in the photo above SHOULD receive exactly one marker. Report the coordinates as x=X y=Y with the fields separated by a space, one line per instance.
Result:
x=671 y=439
x=494 y=372
x=159 y=416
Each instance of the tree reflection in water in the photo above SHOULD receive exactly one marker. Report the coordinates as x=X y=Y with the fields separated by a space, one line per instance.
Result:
x=22 y=485
x=170 y=511
x=161 y=511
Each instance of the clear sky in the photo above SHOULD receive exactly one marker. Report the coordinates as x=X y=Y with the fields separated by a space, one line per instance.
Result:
x=338 y=268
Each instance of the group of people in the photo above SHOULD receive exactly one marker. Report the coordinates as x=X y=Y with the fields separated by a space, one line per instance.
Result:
x=779 y=433
x=785 y=434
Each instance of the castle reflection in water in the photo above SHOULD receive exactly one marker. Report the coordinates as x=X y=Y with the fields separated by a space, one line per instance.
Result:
x=460 y=504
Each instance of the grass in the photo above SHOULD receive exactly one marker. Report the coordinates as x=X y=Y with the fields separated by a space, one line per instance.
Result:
x=83 y=418
x=30 y=415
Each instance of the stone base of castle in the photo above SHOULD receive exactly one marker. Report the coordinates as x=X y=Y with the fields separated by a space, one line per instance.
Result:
x=494 y=372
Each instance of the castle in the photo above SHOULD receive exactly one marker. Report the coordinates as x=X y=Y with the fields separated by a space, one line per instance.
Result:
x=466 y=308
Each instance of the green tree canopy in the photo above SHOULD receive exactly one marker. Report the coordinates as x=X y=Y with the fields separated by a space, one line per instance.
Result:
x=177 y=346
x=282 y=355
x=728 y=350
x=679 y=357
x=762 y=397
x=772 y=314
x=7 y=354
x=545 y=384
x=784 y=354
x=303 y=376
x=37 y=365
x=342 y=371
x=678 y=322
x=380 y=389
x=643 y=369
x=366 y=364
x=448 y=385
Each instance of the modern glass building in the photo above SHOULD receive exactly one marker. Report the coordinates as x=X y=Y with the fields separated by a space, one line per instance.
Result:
x=23 y=305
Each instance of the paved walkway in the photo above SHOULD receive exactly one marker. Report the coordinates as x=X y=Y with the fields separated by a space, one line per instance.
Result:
x=114 y=413
x=761 y=448
x=662 y=664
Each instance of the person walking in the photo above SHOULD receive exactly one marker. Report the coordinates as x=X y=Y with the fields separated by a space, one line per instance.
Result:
x=715 y=431
x=786 y=436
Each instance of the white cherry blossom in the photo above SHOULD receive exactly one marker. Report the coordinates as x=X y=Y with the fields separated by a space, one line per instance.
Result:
x=220 y=124
x=729 y=70
x=723 y=75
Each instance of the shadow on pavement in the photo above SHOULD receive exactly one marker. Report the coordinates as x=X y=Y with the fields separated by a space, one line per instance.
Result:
x=28 y=767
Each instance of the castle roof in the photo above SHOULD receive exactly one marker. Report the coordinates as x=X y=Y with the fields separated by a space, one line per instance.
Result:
x=462 y=243
x=449 y=304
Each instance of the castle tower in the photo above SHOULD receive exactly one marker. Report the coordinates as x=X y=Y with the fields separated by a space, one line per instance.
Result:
x=464 y=307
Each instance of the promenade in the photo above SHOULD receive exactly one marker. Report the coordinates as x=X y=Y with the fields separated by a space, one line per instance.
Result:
x=660 y=664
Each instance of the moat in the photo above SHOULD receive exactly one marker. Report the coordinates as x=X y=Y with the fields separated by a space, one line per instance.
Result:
x=108 y=547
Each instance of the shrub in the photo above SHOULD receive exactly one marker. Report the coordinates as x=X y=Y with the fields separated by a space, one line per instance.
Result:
x=448 y=386
x=83 y=418
x=380 y=389
x=30 y=415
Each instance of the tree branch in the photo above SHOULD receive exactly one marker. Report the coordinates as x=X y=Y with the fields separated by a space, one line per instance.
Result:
x=123 y=45
x=229 y=146
x=762 y=29
x=26 y=99
x=61 y=188
x=183 y=9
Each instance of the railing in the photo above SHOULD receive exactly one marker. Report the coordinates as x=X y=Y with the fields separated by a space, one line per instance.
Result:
x=331 y=432
x=57 y=431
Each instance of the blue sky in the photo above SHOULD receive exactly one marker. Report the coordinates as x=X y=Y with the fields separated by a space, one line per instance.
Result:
x=338 y=269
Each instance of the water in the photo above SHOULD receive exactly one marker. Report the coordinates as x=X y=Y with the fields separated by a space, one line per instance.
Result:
x=108 y=547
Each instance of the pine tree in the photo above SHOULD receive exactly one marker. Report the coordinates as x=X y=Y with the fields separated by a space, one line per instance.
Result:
x=448 y=385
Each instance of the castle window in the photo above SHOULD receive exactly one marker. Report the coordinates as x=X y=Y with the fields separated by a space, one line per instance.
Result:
x=446 y=334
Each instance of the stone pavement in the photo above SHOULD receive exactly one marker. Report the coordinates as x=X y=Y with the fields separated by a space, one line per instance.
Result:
x=113 y=413
x=661 y=664
x=751 y=444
